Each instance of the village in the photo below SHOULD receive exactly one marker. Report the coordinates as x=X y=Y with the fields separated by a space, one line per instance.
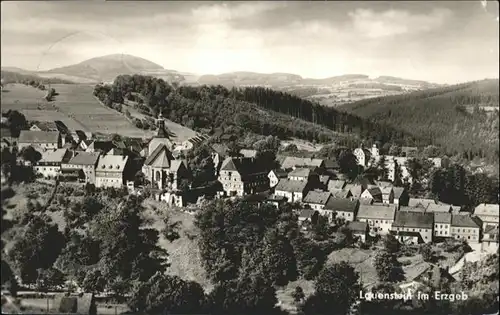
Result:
x=369 y=209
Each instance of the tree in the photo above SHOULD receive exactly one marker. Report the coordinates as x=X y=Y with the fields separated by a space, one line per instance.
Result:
x=321 y=228
x=171 y=294
x=247 y=295
x=93 y=281
x=395 y=150
x=391 y=244
x=336 y=289
x=49 y=279
x=298 y=295
x=171 y=229
x=37 y=249
x=348 y=164
x=427 y=253
x=30 y=154
x=381 y=166
x=388 y=267
x=431 y=151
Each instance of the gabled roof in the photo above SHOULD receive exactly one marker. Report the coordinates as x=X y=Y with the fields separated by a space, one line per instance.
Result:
x=84 y=158
x=342 y=204
x=103 y=146
x=112 y=163
x=356 y=190
x=458 y=220
x=383 y=184
x=339 y=193
x=414 y=220
x=307 y=213
x=56 y=156
x=411 y=209
x=357 y=226
x=288 y=185
x=160 y=157
x=381 y=212
x=46 y=126
x=420 y=202
x=386 y=190
x=332 y=164
x=244 y=166
x=486 y=209
x=291 y=161
x=220 y=149
x=442 y=217
x=300 y=172
x=280 y=173
x=336 y=184
x=317 y=197
x=491 y=229
x=438 y=208
x=176 y=165
x=28 y=136
x=374 y=191
x=324 y=179
x=398 y=192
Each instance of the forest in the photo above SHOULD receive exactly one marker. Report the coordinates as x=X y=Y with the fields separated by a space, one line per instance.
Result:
x=451 y=117
x=255 y=109
x=30 y=79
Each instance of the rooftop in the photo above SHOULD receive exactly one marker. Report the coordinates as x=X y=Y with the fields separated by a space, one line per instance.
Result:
x=84 y=158
x=420 y=202
x=336 y=184
x=486 y=209
x=112 y=163
x=300 y=172
x=458 y=220
x=438 y=208
x=384 y=212
x=357 y=226
x=56 y=156
x=28 y=136
x=342 y=204
x=291 y=161
x=317 y=197
x=248 y=153
x=414 y=220
x=307 y=213
x=291 y=185
x=398 y=192
x=442 y=217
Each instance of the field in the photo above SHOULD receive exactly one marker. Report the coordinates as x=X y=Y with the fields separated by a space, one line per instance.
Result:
x=75 y=106
x=78 y=102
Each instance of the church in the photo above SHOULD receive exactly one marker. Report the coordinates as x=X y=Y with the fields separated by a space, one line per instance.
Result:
x=161 y=169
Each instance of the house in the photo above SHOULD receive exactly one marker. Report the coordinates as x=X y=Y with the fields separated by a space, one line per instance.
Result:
x=324 y=180
x=401 y=197
x=294 y=162
x=465 y=227
x=442 y=224
x=409 y=151
x=366 y=201
x=303 y=174
x=379 y=217
x=336 y=184
x=276 y=200
x=293 y=190
x=101 y=146
x=316 y=199
x=162 y=170
x=248 y=153
x=111 y=171
x=162 y=137
x=84 y=144
x=387 y=194
x=275 y=176
x=411 y=209
x=44 y=126
x=219 y=153
x=83 y=304
x=373 y=193
x=421 y=223
x=422 y=203
x=363 y=156
x=50 y=163
x=424 y=274
x=40 y=140
x=342 y=208
x=331 y=165
x=85 y=161
x=340 y=193
x=241 y=176
x=355 y=190
x=308 y=215
x=442 y=208
x=358 y=229
x=488 y=213
x=490 y=238
x=382 y=184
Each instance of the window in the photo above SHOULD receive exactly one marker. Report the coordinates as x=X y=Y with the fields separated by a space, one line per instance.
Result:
x=376 y=221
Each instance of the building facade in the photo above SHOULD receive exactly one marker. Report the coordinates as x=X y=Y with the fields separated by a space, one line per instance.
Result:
x=110 y=171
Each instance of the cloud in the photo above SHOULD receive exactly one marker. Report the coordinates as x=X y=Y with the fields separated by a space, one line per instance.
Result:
x=396 y=22
x=224 y=12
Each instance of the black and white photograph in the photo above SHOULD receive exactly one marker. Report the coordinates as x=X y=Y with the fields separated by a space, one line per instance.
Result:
x=250 y=157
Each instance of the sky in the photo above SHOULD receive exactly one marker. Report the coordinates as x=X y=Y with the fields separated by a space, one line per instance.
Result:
x=436 y=41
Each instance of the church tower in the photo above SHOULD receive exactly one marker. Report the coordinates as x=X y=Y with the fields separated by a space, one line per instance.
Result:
x=160 y=124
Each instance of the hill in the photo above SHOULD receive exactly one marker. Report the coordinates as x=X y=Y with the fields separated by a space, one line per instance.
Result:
x=106 y=68
x=455 y=117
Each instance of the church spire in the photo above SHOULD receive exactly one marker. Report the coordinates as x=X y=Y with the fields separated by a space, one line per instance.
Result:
x=160 y=124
